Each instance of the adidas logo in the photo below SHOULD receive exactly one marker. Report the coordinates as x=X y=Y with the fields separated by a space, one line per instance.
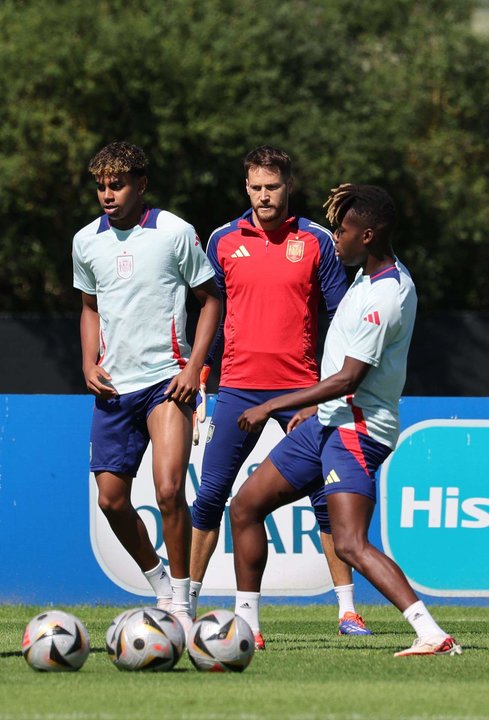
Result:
x=240 y=252
x=373 y=318
x=193 y=593
x=332 y=478
x=417 y=616
x=163 y=574
x=245 y=606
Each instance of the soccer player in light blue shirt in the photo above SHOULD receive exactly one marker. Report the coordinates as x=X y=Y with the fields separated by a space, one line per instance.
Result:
x=134 y=266
x=349 y=421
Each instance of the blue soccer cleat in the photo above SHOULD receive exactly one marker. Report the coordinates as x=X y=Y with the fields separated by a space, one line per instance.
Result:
x=352 y=624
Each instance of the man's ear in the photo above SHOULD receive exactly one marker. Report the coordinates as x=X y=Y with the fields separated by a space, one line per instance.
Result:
x=142 y=185
x=368 y=236
x=247 y=186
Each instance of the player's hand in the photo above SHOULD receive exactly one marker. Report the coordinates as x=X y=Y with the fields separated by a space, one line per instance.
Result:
x=254 y=418
x=300 y=416
x=202 y=395
x=184 y=386
x=99 y=382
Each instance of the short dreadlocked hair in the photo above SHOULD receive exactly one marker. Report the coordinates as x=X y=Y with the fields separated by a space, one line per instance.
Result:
x=119 y=157
x=269 y=157
x=371 y=203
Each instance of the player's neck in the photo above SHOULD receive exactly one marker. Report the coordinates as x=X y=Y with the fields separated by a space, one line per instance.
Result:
x=374 y=264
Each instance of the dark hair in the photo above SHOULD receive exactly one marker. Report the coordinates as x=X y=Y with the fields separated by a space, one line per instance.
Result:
x=119 y=157
x=269 y=157
x=372 y=204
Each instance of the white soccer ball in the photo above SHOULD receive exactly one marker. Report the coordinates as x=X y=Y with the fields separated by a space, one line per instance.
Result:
x=146 y=639
x=111 y=634
x=221 y=641
x=55 y=641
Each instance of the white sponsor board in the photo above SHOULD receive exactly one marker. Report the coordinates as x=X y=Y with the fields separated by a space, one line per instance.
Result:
x=296 y=565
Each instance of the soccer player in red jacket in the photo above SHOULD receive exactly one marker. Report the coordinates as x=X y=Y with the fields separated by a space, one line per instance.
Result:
x=272 y=268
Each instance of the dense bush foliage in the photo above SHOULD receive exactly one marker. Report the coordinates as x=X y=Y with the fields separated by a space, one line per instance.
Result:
x=380 y=92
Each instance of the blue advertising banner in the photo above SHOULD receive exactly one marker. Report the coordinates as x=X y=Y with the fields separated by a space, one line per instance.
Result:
x=432 y=516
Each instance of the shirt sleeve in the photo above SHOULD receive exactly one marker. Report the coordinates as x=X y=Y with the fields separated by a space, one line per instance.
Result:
x=331 y=274
x=83 y=277
x=221 y=284
x=193 y=264
x=375 y=326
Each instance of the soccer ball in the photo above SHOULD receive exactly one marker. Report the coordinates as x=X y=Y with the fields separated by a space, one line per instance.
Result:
x=221 y=641
x=111 y=634
x=146 y=639
x=55 y=641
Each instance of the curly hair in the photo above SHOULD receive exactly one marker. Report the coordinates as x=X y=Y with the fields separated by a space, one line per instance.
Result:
x=369 y=202
x=119 y=157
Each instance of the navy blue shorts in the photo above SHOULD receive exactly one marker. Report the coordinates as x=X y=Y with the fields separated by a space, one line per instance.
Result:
x=228 y=447
x=119 y=435
x=346 y=460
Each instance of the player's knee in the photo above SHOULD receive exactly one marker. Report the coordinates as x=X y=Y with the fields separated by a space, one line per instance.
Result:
x=348 y=548
x=170 y=496
x=113 y=505
x=322 y=518
x=241 y=512
x=207 y=514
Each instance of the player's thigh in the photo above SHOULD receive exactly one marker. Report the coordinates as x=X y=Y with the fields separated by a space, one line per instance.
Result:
x=227 y=447
x=114 y=489
x=263 y=492
x=170 y=430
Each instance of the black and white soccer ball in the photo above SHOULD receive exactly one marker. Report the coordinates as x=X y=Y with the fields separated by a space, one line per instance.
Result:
x=55 y=641
x=221 y=641
x=146 y=639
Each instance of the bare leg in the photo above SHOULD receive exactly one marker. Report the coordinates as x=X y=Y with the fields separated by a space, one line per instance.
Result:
x=114 y=500
x=264 y=491
x=350 y=516
x=170 y=429
x=340 y=571
x=204 y=543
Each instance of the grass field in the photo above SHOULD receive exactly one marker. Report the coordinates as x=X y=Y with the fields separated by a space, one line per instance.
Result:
x=306 y=673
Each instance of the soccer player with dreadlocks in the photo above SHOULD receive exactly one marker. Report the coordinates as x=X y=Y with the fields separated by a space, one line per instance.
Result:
x=134 y=266
x=349 y=421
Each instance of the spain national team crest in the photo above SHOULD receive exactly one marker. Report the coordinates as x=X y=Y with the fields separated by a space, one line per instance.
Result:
x=295 y=250
x=125 y=266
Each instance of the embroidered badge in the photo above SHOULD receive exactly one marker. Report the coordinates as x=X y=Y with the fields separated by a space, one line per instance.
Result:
x=125 y=266
x=295 y=250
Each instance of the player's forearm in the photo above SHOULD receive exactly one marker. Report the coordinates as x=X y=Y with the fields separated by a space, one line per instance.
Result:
x=344 y=382
x=207 y=325
x=89 y=335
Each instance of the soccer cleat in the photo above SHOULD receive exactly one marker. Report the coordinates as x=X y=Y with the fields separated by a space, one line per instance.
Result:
x=437 y=645
x=259 y=641
x=352 y=624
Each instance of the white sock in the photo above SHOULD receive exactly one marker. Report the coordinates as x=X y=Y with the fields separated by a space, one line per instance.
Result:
x=180 y=600
x=247 y=606
x=159 y=580
x=195 y=588
x=420 y=619
x=344 y=595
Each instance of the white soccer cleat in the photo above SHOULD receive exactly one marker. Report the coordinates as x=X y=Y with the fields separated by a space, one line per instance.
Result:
x=438 y=645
